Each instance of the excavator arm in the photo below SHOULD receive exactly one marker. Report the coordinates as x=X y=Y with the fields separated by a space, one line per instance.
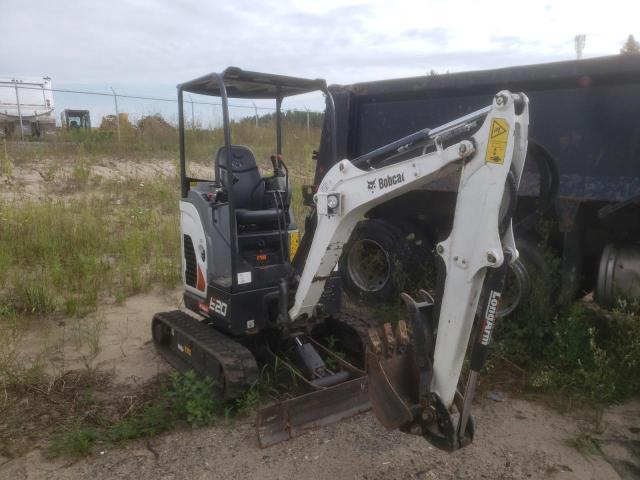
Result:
x=414 y=372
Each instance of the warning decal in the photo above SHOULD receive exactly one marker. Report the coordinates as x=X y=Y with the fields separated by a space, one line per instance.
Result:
x=294 y=242
x=497 y=146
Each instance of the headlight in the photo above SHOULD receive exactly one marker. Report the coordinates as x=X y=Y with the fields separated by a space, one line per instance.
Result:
x=332 y=201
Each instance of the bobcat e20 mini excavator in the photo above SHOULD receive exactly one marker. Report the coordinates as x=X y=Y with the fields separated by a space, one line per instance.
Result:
x=254 y=296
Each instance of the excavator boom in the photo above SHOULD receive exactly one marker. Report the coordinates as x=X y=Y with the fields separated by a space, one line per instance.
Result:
x=414 y=384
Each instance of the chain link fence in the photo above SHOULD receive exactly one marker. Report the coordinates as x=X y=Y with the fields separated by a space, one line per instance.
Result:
x=36 y=119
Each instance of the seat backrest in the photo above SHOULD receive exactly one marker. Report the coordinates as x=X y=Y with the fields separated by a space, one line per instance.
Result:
x=247 y=185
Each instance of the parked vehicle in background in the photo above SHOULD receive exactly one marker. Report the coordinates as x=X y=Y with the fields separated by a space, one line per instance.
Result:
x=75 y=119
x=582 y=184
x=26 y=107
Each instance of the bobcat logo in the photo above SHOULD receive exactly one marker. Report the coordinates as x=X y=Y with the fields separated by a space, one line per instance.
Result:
x=371 y=185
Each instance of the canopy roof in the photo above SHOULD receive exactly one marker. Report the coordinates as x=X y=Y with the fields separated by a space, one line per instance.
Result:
x=245 y=84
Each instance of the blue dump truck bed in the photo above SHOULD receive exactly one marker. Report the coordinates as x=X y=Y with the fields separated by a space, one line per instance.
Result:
x=584 y=112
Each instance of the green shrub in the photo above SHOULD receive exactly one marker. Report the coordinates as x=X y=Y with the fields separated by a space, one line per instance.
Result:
x=151 y=420
x=75 y=440
x=594 y=355
x=585 y=444
x=578 y=351
x=192 y=398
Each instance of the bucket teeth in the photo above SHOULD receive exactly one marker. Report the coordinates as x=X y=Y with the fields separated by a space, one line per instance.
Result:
x=387 y=342
x=389 y=339
x=375 y=344
x=402 y=335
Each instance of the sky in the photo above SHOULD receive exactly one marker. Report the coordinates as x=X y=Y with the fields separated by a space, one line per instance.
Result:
x=146 y=47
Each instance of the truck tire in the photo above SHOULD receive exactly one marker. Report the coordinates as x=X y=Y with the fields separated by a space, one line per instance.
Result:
x=517 y=289
x=529 y=276
x=381 y=259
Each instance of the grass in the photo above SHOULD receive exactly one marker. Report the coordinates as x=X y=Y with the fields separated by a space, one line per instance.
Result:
x=76 y=411
x=585 y=444
x=63 y=256
x=594 y=356
x=160 y=140
x=114 y=239
x=193 y=399
x=578 y=353
x=5 y=163
x=34 y=404
x=178 y=399
x=74 y=440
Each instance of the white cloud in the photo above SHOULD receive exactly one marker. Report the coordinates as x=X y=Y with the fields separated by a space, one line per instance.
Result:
x=148 y=46
x=164 y=42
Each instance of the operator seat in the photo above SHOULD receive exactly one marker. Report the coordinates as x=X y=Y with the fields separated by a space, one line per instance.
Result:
x=252 y=206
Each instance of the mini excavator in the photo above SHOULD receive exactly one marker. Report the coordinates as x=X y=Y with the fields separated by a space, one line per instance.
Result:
x=256 y=292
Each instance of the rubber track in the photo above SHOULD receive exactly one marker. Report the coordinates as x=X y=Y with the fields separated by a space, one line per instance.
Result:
x=237 y=362
x=357 y=324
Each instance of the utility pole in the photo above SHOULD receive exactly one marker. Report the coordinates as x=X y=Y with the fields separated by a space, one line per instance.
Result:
x=193 y=118
x=255 y=109
x=115 y=99
x=308 y=129
x=579 y=44
x=15 y=84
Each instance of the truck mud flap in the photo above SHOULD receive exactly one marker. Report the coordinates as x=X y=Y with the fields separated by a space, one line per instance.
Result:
x=291 y=418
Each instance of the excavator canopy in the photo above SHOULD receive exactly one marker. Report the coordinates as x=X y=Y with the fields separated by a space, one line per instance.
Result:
x=252 y=85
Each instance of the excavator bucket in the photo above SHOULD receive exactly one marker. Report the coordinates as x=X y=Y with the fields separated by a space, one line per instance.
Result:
x=393 y=376
x=293 y=417
x=399 y=368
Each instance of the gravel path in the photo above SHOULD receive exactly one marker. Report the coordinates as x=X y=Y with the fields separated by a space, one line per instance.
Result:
x=516 y=439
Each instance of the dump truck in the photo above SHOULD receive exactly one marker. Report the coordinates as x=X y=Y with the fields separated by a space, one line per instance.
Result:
x=579 y=200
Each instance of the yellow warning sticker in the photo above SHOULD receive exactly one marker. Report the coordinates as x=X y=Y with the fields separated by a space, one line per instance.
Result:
x=498 y=137
x=294 y=242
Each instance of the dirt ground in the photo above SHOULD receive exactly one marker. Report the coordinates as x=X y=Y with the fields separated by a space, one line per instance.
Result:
x=123 y=332
x=516 y=439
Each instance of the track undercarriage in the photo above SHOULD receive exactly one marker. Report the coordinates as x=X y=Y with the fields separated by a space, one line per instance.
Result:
x=325 y=369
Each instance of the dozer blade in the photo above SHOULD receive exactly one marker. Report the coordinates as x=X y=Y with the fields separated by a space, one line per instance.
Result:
x=291 y=418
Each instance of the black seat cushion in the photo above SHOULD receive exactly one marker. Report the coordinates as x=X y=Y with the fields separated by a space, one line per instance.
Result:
x=245 y=216
x=248 y=185
x=252 y=206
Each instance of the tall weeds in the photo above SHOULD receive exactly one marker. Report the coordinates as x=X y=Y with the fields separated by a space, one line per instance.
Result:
x=65 y=255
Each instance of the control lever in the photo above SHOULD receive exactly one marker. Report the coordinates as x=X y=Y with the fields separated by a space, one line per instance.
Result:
x=274 y=162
